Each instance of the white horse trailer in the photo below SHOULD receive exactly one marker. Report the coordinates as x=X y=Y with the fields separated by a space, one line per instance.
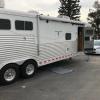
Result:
x=29 y=40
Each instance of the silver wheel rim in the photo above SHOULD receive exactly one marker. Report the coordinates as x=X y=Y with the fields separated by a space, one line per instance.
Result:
x=30 y=69
x=10 y=74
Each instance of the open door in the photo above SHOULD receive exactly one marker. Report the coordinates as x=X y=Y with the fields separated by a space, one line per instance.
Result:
x=80 y=39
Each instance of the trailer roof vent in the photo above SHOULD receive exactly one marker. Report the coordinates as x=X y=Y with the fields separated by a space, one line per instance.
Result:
x=2 y=4
x=62 y=16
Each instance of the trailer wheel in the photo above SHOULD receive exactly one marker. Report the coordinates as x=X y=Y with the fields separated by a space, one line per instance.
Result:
x=28 y=69
x=70 y=59
x=9 y=74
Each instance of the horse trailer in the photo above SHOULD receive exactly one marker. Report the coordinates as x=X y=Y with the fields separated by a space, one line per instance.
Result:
x=30 y=40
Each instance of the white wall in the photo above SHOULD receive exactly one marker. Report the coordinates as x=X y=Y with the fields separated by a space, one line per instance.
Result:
x=52 y=45
x=48 y=32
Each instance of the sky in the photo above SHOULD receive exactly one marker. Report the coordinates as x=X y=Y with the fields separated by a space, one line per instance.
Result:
x=46 y=7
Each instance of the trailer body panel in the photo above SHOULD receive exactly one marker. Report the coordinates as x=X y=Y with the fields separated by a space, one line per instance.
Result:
x=50 y=39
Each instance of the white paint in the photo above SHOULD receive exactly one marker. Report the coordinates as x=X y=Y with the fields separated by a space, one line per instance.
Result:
x=18 y=46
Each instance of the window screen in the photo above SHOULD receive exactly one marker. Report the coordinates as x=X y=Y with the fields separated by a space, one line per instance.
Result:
x=5 y=24
x=28 y=25
x=68 y=36
x=19 y=25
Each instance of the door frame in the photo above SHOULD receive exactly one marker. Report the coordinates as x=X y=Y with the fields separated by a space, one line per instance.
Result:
x=80 y=46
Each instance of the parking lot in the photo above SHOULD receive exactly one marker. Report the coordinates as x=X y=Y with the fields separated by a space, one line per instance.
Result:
x=78 y=79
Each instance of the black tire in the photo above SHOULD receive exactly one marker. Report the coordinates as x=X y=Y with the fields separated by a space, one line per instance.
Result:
x=24 y=68
x=3 y=73
x=70 y=59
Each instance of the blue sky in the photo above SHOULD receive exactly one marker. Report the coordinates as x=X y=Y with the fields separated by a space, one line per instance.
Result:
x=47 y=7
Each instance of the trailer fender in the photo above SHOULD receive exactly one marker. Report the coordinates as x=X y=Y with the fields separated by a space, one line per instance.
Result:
x=17 y=61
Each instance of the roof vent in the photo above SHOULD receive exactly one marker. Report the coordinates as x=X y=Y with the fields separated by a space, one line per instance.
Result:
x=62 y=16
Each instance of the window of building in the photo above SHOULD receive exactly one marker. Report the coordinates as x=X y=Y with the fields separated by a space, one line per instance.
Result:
x=5 y=24
x=68 y=36
x=23 y=25
x=87 y=38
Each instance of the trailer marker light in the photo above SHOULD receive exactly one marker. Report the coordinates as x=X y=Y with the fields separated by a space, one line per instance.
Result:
x=49 y=60
x=40 y=62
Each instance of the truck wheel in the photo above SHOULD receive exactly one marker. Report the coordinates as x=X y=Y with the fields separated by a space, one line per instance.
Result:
x=28 y=69
x=9 y=74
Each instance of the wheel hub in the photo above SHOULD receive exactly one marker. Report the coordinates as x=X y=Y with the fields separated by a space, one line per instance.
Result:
x=30 y=69
x=9 y=75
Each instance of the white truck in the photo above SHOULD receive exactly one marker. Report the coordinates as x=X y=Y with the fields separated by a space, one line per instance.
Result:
x=29 y=40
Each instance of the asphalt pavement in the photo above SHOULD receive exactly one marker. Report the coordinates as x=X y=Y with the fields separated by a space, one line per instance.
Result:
x=79 y=81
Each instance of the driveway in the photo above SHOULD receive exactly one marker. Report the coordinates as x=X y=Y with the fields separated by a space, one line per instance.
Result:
x=78 y=79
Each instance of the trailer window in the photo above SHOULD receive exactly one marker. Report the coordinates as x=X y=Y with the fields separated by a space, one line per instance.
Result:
x=19 y=25
x=5 y=24
x=28 y=25
x=23 y=25
x=68 y=36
